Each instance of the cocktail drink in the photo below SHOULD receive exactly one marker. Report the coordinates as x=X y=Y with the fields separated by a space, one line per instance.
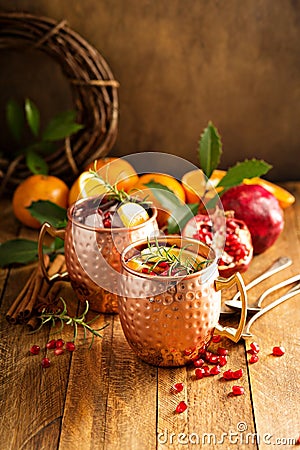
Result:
x=171 y=299
x=98 y=229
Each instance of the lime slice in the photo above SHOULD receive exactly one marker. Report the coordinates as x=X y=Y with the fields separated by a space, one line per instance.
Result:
x=132 y=214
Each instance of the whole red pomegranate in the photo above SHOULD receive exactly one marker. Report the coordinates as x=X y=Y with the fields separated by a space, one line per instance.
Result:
x=260 y=211
x=238 y=251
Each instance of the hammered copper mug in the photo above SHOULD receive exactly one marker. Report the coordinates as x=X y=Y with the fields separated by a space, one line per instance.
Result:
x=169 y=321
x=92 y=254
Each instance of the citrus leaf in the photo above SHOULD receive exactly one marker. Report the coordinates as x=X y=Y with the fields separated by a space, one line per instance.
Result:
x=32 y=116
x=15 y=119
x=19 y=251
x=61 y=126
x=46 y=211
x=210 y=149
x=180 y=216
x=164 y=195
x=246 y=169
x=36 y=164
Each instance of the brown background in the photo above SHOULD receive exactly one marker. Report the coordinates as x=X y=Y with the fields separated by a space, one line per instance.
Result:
x=181 y=63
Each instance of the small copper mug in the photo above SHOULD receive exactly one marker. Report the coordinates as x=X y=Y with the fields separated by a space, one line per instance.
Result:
x=93 y=254
x=169 y=321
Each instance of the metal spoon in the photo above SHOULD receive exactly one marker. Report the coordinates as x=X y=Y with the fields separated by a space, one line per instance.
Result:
x=278 y=265
x=293 y=291
x=237 y=304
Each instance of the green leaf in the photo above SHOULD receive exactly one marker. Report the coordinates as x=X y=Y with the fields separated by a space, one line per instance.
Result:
x=210 y=149
x=32 y=116
x=15 y=119
x=180 y=216
x=19 y=251
x=61 y=126
x=164 y=195
x=246 y=169
x=46 y=211
x=36 y=164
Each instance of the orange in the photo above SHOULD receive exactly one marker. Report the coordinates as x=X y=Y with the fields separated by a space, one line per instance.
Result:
x=115 y=170
x=284 y=197
x=34 y=188
x=86 y=185
x=194 y=182
x=144 y=192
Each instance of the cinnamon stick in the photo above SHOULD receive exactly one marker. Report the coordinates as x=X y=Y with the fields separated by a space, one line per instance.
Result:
x=13 y=311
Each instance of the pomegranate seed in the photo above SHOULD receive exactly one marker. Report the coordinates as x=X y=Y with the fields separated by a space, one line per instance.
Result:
x=51 y=344
x=278 y=351
x=58 y=351
x=70 y=346
x=207 y=356
x=223 y=360
x=216 y=338
x=253 y=359
x=298 y=441
x=222 y=351
x=198 y=362
x=206 y=370
x=181 y=407
x=45 y=363
x=199 y=373
x=238 y=390
x=227 y=375
x=107 y=223
x=215 y=370
x=237 y=374
x=214 y=359
x=177 y=387
x=59 y=343
x=254 y=347
x=35 y=350
x=163 y=265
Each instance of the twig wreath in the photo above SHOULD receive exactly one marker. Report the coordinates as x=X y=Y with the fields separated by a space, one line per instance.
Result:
x=93 y=87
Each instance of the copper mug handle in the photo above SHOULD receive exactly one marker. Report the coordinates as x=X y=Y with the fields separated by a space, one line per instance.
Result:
x=222 y=283
x=47 y=228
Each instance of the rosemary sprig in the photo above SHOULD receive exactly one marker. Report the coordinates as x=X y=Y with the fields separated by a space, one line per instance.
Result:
x=114 y=193
x=157 y=254
x=65 y=319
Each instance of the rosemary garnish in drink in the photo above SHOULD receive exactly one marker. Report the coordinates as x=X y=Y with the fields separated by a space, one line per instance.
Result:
x=164 y=260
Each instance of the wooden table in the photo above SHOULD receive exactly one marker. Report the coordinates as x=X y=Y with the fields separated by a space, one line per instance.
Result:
x=106 y=398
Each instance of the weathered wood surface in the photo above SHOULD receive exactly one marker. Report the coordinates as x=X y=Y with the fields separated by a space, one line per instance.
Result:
x=106 y=398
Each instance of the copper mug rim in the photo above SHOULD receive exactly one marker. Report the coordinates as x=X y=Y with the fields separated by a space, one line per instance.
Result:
x=209 y=270
x=71 y=218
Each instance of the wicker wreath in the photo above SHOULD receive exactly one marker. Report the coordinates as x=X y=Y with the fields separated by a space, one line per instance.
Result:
x=93 y=87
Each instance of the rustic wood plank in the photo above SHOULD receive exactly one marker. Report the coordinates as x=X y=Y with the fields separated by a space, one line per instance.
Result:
x=275 y=380
x=111 y=399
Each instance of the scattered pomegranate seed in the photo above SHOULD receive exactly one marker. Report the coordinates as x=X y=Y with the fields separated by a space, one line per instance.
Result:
x=222 y=351
x=70 y=346
x=223 y=360
x=254 y=347
x=278 y=351
x=206 y=371
x=237 y=374
x=51 y=344
x=59 y=343
x=58 y=351
x=199 y=362
x=199 y=373
x=254 y=358
x=238 y=390
x=45 y=363
x=215 y=370
x=298 y=441
x=181 y=407
x=227 y=375
x=214 y=359
x=177 y=387
x=35 y=350
x=216 y=338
